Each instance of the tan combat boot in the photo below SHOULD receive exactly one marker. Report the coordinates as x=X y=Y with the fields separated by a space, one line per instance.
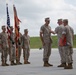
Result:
x=12 y=63
x=3 y=64
x=49 y=64
x=62 y=65
x=69 y=66
x=26 y=62
x=6 y=64
x=17 y=62
x=46 y=64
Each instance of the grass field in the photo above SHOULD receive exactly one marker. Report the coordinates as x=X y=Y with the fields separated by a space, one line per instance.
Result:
x=35 y=42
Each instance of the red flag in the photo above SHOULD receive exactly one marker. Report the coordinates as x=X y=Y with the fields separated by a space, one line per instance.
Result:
x=16 y=24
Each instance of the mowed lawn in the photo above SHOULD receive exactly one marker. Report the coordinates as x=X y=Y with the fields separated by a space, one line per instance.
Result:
x=35 y=42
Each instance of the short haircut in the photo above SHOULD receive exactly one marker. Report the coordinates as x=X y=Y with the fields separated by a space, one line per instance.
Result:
x=3 y=26
x=66 y=21
x=11 y=26
x=59 y=19
x=47 y=19
x=25 y=30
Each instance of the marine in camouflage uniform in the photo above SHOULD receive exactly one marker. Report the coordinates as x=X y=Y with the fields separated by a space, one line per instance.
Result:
x=68 y=48
x=4 y=46
x=0 y=44
x=26 y=46
x=45 y=35
x=58 y=30
x=12 y=47
x=19 y=44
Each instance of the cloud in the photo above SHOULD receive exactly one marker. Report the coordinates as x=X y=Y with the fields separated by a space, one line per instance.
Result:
x=33 y=12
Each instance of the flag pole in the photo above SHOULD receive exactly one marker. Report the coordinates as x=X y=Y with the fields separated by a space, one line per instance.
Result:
x=8 y=24
x=16 y=23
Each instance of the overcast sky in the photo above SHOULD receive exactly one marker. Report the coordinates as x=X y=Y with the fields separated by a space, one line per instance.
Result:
x=32 y=13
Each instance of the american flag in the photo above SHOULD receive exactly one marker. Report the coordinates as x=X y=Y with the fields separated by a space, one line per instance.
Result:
x=8 y=21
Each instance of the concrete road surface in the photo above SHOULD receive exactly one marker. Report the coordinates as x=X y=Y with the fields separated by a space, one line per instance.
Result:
x=36 y=66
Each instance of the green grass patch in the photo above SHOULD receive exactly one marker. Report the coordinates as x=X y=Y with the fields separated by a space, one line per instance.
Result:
x=35 y=42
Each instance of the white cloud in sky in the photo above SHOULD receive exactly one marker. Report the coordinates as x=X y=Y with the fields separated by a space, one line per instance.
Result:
x=33 y=12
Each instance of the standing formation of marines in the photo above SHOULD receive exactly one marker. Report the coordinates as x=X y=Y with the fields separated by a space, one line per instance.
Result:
x=65 y=35
x=8 y=47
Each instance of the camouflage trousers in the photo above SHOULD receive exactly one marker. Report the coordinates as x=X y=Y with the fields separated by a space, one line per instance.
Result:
x=12 y=53
x=47 y=51
x=62 y=54
x=26 y=53
x=19 y=52
x=4 y=55
x=68 y=54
